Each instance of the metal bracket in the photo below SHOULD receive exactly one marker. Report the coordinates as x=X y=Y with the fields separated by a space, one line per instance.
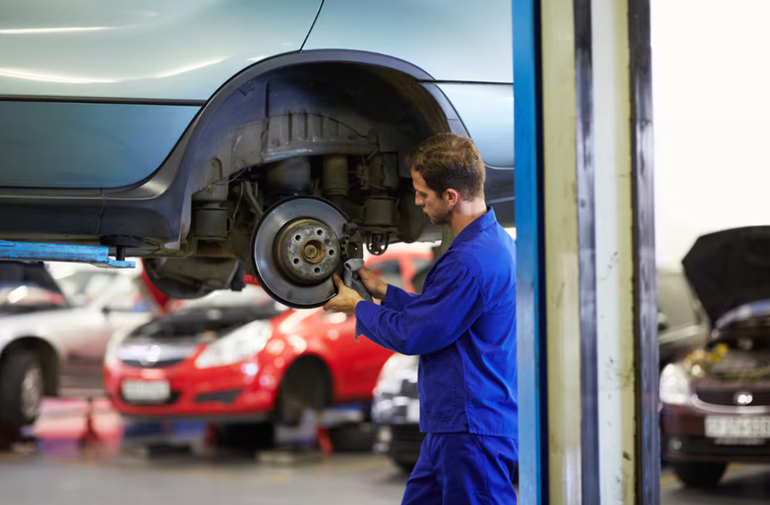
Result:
x=30 y=251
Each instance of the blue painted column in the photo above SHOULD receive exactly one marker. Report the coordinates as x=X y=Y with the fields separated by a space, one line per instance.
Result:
x=585 y=239
x=533 y=416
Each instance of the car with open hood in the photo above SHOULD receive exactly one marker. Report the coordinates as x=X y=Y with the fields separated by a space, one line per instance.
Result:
x=245 y=363
x=715 y=402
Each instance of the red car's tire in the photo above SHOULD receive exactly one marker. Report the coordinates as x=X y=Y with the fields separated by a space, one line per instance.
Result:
x=306 y=386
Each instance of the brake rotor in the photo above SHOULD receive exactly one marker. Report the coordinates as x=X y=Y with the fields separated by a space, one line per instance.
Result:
x=296 y=250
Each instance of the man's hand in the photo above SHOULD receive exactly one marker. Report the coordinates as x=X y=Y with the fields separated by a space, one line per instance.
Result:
x=346 y=299
x=376 y=286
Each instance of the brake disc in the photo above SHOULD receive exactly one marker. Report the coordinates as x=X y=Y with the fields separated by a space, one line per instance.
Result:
x=296 y=250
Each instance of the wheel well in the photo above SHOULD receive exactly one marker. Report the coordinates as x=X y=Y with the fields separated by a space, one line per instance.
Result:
x=268 y=136
x=305 y=370
x=259 y=122
x=47 y=355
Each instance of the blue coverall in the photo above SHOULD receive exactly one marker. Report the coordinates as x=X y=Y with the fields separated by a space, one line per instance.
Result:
x=463 y=326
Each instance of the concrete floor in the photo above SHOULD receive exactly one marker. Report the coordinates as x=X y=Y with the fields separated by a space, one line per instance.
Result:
x=58 y=471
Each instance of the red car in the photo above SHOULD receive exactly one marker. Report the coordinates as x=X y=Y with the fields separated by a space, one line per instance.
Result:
x=233 y=357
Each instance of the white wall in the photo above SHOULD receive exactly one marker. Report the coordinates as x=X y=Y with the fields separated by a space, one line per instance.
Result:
x=711 y=79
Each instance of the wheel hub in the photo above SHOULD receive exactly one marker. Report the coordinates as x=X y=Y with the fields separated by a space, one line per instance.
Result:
x=31 y=392
x=307 y=250
x=296 y=250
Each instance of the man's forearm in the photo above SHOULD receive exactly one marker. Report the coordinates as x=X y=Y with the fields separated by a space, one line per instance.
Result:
x=396 y=298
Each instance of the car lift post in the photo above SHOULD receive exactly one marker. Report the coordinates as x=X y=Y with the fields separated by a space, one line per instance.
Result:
x=586 y=278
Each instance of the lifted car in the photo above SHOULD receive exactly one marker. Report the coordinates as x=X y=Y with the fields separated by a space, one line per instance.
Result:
x=221 y=137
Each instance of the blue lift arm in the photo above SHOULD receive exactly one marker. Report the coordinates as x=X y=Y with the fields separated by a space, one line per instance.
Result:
x=30 y=251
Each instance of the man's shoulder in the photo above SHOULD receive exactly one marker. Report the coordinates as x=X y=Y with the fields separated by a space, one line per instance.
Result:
x=491 y=250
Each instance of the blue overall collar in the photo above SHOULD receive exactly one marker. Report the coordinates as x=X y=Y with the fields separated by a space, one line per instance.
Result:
x=477 y=225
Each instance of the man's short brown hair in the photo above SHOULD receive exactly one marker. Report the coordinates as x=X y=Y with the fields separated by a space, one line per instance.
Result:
x=449 y=161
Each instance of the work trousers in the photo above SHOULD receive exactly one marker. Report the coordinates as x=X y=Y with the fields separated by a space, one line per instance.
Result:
x=463 y=469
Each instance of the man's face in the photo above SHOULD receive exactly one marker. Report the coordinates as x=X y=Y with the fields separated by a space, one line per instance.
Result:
x=437 y=209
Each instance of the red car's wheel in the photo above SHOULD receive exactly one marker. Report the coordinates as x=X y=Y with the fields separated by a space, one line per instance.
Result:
x=306 y=386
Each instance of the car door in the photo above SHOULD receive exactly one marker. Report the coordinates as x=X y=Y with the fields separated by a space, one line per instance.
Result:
x=106 y=88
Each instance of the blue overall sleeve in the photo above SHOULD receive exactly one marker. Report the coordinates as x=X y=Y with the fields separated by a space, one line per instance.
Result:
x=397 y=298
x=446 y=309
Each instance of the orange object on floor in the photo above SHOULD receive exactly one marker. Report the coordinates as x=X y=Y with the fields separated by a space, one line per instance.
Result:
x=89 y=436
x=323 y=440
x=210 y=438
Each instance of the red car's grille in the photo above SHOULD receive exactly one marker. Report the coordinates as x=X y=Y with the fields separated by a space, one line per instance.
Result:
x=157 y=364
x=170 y=401
x=759 y=397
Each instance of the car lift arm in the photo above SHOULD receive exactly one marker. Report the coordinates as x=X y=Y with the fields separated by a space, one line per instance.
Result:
x=95 y=255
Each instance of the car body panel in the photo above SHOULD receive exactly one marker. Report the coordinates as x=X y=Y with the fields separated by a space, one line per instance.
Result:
x=486 y=110
x=174 y=50
x=683 y=434
x=452 y=40
x=196 y=54
x=86 y=145
x=329 y=337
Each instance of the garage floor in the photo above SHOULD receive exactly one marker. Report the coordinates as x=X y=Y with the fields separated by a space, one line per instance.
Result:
x=58 y=471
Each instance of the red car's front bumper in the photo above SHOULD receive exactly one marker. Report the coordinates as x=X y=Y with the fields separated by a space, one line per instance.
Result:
x=238 y=391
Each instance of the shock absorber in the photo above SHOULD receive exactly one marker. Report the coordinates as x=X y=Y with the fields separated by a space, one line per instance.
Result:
x=335 y=179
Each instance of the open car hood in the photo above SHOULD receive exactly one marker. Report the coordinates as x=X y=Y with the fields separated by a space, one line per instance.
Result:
x=201 y=320
x=730 y=268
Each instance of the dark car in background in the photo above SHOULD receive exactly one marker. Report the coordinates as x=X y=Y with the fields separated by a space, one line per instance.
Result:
x=715 y=402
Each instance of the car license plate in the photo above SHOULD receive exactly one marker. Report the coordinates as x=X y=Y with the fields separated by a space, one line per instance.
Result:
x=146 y=391
x=413 y=411
x=737 y=427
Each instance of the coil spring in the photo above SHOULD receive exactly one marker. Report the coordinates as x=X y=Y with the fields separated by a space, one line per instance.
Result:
x=335 y=173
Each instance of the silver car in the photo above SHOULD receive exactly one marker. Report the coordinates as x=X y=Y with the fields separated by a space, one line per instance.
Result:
x=217 y=137
x=53 y=344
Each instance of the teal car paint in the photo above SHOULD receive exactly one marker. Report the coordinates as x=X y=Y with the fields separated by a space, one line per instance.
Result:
x=86 y=145
x=170 y=50
x=486 y=110
x=452 y=40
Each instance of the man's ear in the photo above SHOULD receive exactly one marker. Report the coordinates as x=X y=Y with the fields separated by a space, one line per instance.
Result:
x=451 y=197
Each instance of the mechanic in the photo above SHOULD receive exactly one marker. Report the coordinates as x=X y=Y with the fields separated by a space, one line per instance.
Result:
x=463 y=326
